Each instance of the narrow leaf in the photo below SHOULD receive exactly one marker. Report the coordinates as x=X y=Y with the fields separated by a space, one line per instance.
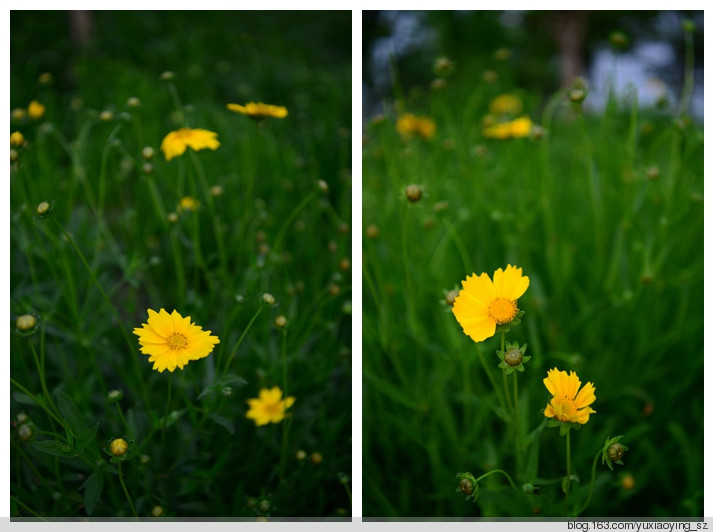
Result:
x=92 y=490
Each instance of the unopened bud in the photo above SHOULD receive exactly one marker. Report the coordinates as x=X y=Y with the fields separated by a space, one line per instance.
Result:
x=118 y=447
x=513 y=357
x=157 y=511
x=466 y=486
x=413 y=193
x=26 y=323
x=115 y=396
x=25 y=432
x=268 y=299
x=43 y=209
x=280 y=322
x=615 y=452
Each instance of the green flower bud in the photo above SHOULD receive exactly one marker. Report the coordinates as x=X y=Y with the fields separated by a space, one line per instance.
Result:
x=280 y=322
x=114 y=396
x=133 y=102
x=43 y=209
x=25 y=432
x=268 y=299
x=513 y=356
x=615 y=452
x=413 y=193
x=148 y=153
x=466 y=486
x=167 y=76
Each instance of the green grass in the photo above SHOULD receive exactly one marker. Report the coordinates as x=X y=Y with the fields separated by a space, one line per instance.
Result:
x=614 y=252
x=110 y=250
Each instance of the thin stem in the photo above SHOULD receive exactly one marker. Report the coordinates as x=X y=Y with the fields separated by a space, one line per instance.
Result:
x=29 y=510
x=165 y=417
x=591 y=485
x=37 y=401
x=498 y=392
x=568 y=480
x=240 y=340
x=123 y=419
x=284 y=362
x=43 y=383
x=126 y=492
x=481 y=477
x=518 y=442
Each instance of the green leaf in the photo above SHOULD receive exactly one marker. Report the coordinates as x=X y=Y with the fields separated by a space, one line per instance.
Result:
x=54 y=447
x=25 y=399
x=223 y=422
x=92 y=490
x=86 y=437
x=69 y=411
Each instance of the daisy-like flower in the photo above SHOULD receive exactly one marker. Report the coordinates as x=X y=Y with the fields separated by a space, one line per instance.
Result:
x=35 y=110
x=483 y=304
x=269 y=407
x=518 y=128
x=176 y=142
x=569 y=404
x=259 y=110
x=171 y=340
x=409 y=125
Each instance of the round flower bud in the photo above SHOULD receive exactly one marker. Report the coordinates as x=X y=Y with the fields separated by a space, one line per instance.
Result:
x=157 y=511
x=45 y=78
x=466 y=486
x=26 y=322
x=25 y=432
x=653 y=172
x=513 y=357
x=227 y=391
x=105 y=116
x=413 y=193
x=147 y=168
x=268 y=299
x=315 y=458
x=577 y=95
x=345 y=264
x=280 y=322
x=18 y=114
x=17 y=139
x=133 y=102
x=300 y=455
x=372 y=231
x=22 y=417
x=148 y=153
x=118 y=447
x=172 y=217
x=451 y=296
x=216 y=190
x=43 y=209
x=628 y=482
x=323 y=186
x=13 y=155
x=115 y=396
x=615 y=452
x=167 y=76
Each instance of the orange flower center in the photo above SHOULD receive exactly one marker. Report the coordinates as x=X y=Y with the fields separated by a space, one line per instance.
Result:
x=502 y=310
x=177 y=341
x=564 y=409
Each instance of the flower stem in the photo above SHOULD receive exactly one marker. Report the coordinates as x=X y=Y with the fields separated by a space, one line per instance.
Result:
x=126 y=492
x=481 y=477
x=240 y=340
x=568 y=481
x=165 y=416
x=37 y=401
x=498 y=392
x=591 y=485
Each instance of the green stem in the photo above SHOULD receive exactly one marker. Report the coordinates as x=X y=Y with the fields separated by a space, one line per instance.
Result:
x=591 y=485
x=498 y=392
x=165 y=417
x=518 y=441
x=123 y=419
x=240 y=340
x=30 y=510
x=481 y=477
x=410 y=295
x=37 y=401
x=568 y=479
x=284 y=362
x=126 y=492
x=43 y=383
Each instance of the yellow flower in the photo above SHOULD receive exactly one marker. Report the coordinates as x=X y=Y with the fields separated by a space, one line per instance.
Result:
x=176 y=142
x=16 y=139
x=518 y=128
x=409 y=125
x=269 y=407
x=188 y=204
x=35 y=110
x=506 y=104
x=172 y=340
x=258 y=111
x=483 y=304
x=568 y=403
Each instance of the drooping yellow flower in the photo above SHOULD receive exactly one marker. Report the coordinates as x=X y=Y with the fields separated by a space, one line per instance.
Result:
x=506 y=104
x=568 y=404
x=269 y=407
x=483 y=304
x=409 y=125
x=16 y=139
x=518 y=128
x=259 y=110
x=176 y=142
x=171 y=340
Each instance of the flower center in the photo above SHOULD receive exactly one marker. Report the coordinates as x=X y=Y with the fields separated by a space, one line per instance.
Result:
x=502 y=310
x=177 y=341
x=564 y=409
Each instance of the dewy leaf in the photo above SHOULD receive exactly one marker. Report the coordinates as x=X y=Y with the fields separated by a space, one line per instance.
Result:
x=92 y=490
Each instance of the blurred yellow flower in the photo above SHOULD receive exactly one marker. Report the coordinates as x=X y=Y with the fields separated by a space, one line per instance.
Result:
x=16 y=139
x=518 y=128
x=269 y=407
x=258 y=111
x=35 y=110
x=171 y=340
x=176 y=142
x=409 y=125
x=483 y=304
x=568 y=404
x=188 y=203
x=506 y=104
